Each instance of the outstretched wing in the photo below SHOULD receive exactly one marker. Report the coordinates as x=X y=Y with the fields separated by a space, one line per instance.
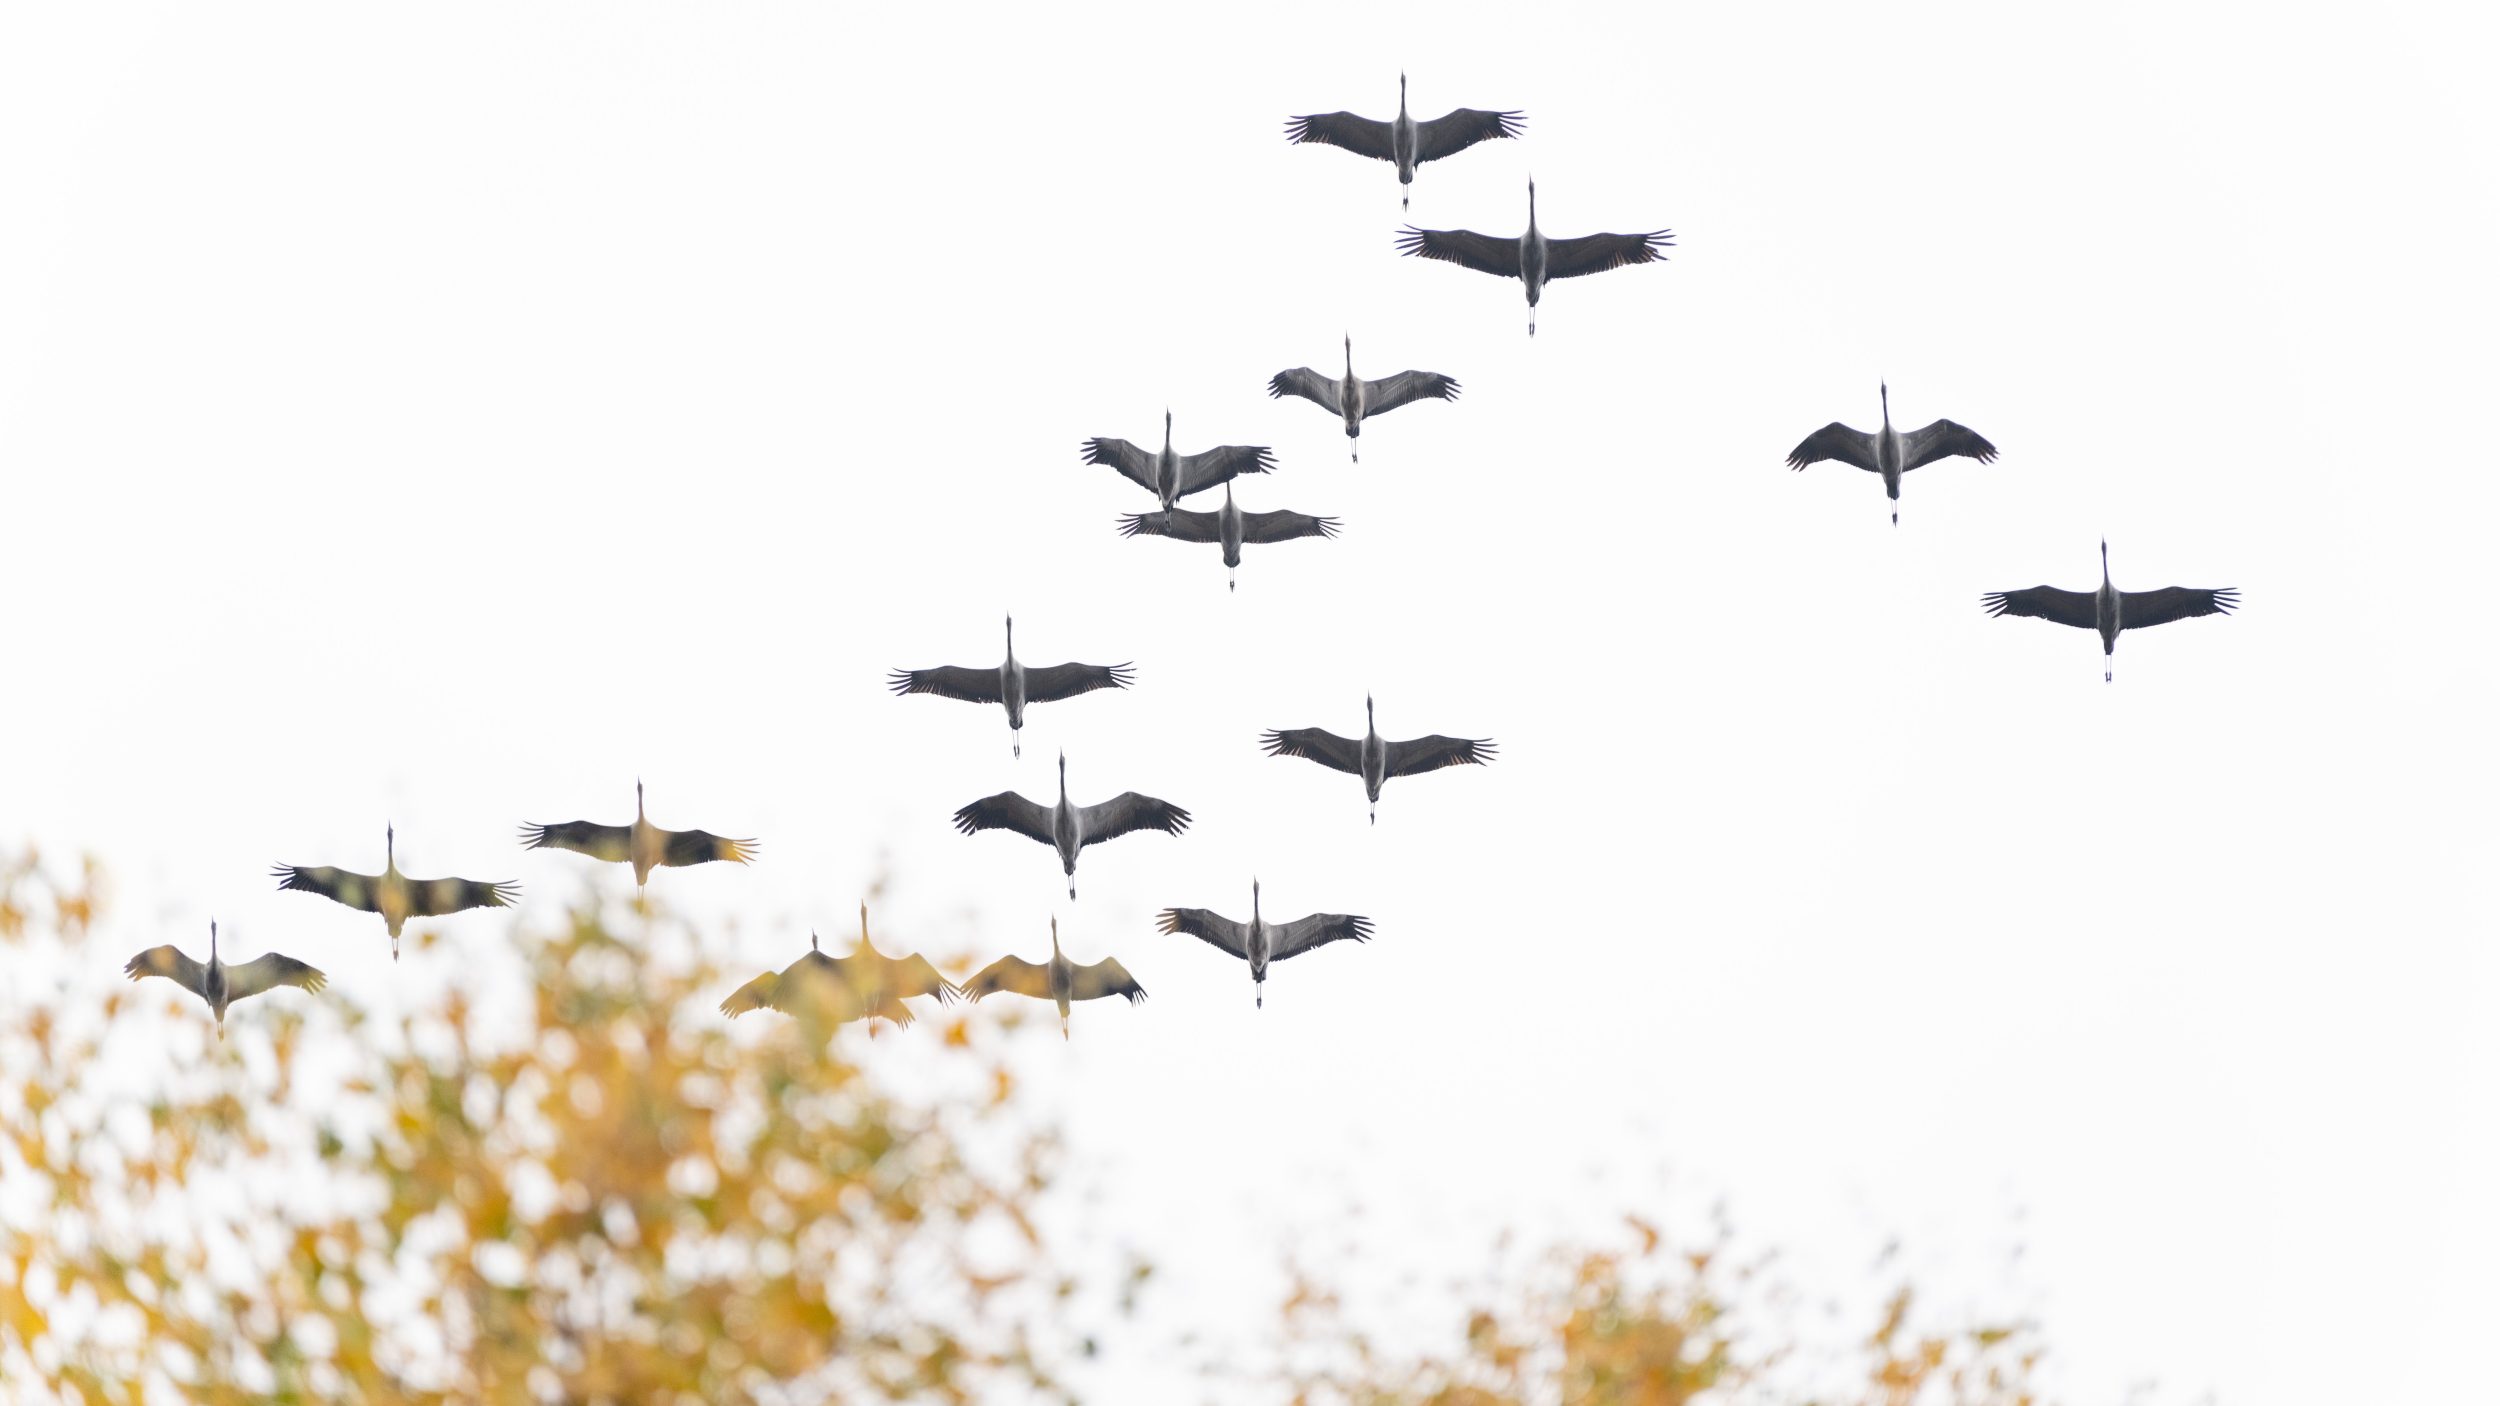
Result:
x=1282 y=526
x=912 y=975
x=1222 y=464
x=339 y=885
x=168 y=962
x=271 y=970
x=1460 y=128
x=1481 y=252
x=950 y=681
x=1318 y=930
x=613 y=843
x=1104 y=978
x=2046 y=603
x=683 y=847
x=1360 y=135
x=756 y=995
x=1835 y=441
x=1181 y=525
x=1596 y=253
x=1943 y=440
x=1210 y=927
x=1130 y=811
x=1006 y=811
x=1009 y=974
x=1308 y=384
x=1320 y=745
x=1068 y=680
x=2139 y=609
x=1134 y=464
x=1422 y=754
x=432 y=898
x=1389 y=392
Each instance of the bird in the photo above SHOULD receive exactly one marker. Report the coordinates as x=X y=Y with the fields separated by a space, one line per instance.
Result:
x=1228 y=525
x=1172 y=477
x=394 y=895
x=1532 y=258
x=2110 y=610
x=642 y=844
x=1259 y=941
x=1058 y=981
x=1888 y=451
x=1070 y=828
x=221 y=985
x=1012 y=684
x=1355 y=398
x=1404 y=140
x=832 y=990
x=1375 y=758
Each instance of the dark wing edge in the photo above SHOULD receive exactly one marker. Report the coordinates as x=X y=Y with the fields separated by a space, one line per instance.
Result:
x=1836 y=441
x=1128 y=812
x=1209 y=927
x=1013 y=974
x=1134 y=464
x=1181 y=525
x=947 y=681
x=1481 y=252
x=2145 y=609
x=1361 y=135
x=1462 y=127
x=1390 y=392
x=1265 y=529
x=2045 y=603
x=1068 y=680
x=612 y=843
x=1316 y=744
x=1318 y=930
x=1943 y=440
x=1308 y=384
x=1596 y=253
x=685 y=847
x=1005 y=811
x=1104 y=978
x=168 y=961
x=1421 y=754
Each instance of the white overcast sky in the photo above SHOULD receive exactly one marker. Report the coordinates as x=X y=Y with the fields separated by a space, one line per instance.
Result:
x=444 y=415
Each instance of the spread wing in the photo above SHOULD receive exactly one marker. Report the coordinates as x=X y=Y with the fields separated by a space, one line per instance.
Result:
x=432 y=898
x=1181 y=525
x=1596 y=253
x=1461 y=128
x=1009 y=974
x=1068 y=680
x=1129 y=811
x=1320 y=745
x=1318 y=930
x=1134 y=464
x=1308 y=384
x=1360 y=135
x=2046 y=603
x=168 y=962
x=612 y=843
x=912 y=975
x=270 y=970
x=1104 y=978
x=1281 y=526
x=1222 y=464
x=1212 y=928
x=1943 y=440
x=339 y=885
x=1006 y=811
x=951 y=681
x=1389 y=392
x=1835 y=441
x=1481 y=252
x=2138 y=609
x=682 y=847
x=756 y=995
x=1424 y=754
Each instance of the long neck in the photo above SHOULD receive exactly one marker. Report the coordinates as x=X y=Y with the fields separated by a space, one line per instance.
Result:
x=2104 y=563
x=212 y=947
x=638 y=799
x=390 y=849
x=1349 y=358
x=1011 y=637
x=1401 y=95
x=1531 y=207
x=1063 y=778
x=1884 y=394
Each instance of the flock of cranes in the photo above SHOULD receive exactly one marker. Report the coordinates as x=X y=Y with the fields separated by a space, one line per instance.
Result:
x=866 y=984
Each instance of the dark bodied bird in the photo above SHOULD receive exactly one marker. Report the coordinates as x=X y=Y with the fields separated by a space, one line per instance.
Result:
x=1375 y=758
x=1888 y=451
x=1070 y=828
x=829 y=991
x=221 y=985
x=1057 y=981
x=642 y=844
x=1172 y=477
x=2110 y=610
x=1228 y=525
x=1404 y=140
x=1353 y=399
x=394 y=895
x=1532 y=258
x=1259 y=941
x=1012 y=684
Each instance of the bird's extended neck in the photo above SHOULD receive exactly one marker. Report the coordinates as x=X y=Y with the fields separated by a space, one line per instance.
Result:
x=212 y=943
x=638 y=798
x=1883 y=393
x=390 y=848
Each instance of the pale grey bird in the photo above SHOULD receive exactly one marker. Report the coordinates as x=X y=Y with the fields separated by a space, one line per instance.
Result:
x=1354 y=399
x=1375 y=758
x=1532 y=258
x=1012 y=684
x=221 y=985
x=2110 y=610
x=1070 y=828
x=1404 y=141
x=1171 y=476
x=1259 y=941
x=642 y=844
x=1057 y=981
x=1228 y=525
x=392 y=894
x=1888 y=451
